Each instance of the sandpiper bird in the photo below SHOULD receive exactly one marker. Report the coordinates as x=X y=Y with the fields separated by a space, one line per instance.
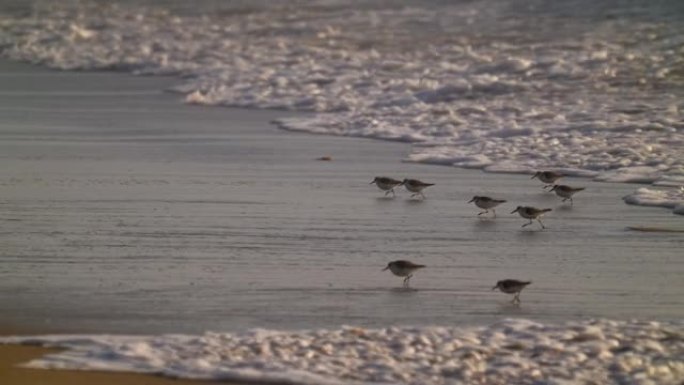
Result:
x=403 y=269
x=530 y=213
x=548 y=177
x=386 y=184
x=416 y=187
x=512 y=286
x=566 y=192
x=486 y=203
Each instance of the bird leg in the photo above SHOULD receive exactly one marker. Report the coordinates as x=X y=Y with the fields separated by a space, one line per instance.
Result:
x=516 y=298
x=494 y=211
x=540 y=222
x=406 y=280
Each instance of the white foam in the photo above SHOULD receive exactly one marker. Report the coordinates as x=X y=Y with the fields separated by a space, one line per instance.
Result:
x=672 y=198
x=641 y=174
x=511 y=351
x=597 y=95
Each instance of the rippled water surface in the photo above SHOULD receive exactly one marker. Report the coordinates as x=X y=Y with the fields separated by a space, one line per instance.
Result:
x=125 y=211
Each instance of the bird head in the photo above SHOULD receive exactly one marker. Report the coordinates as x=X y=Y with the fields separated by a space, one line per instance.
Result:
x=516 y=210
x=387 y=267
x=374 y=180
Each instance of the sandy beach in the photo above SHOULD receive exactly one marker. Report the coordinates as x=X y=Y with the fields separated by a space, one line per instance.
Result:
x=13 y=356
x=127 y=212
x=11 y=372
x=190 y=192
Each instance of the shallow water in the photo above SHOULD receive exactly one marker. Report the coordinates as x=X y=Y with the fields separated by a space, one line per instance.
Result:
x=591 y=88
x=125 y=211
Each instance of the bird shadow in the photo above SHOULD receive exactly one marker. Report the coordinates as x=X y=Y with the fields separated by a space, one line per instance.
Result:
x=385 y=199
x=485 y=222
x=529 y=232
x=510 y=308
x=403 y=290
x=564 y=207
x=414 y=201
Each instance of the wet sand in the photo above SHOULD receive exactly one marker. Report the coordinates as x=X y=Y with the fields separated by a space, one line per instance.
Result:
x=125 y=211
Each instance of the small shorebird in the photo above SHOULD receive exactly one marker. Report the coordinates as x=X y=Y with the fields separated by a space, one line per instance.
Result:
x=530 y=213
x=548 y=177
x=566 y=192
x=386 y=184
x=403 y=269
x=486 y=203
x=416 y=187
x=512 y=286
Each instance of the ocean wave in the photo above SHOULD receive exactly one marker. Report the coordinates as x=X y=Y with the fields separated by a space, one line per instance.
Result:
x=592 y=88
x=512 y=351
x=672 y=198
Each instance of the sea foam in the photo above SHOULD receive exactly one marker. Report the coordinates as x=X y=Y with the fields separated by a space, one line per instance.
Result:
x=668 y=198
x=595 y=89
x=507 y=352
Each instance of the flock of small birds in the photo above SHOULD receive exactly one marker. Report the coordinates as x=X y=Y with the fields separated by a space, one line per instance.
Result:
x=402 y=268
x=413 y=185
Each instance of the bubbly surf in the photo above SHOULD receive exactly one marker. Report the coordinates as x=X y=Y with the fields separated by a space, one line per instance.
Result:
x=590 y=89
x=512 y=351
x=670 y=198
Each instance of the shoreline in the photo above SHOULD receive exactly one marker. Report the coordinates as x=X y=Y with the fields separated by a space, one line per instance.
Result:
x=12 y=357
x=335 y=190
x=636 y=198
x=617 y=350
x=510 y=121
x=122 y=179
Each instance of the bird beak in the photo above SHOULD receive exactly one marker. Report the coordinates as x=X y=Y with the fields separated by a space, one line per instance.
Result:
x=494 y=288
x=554 y=187
x=514 y=211
x=386 y=267
x=371 y=182
x=471 y=200
x=535 y=175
